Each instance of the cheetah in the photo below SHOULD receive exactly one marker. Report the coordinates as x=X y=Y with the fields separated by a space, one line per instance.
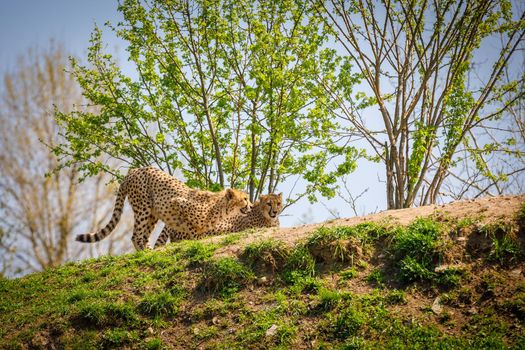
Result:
x=264 y=213
x=155 y=195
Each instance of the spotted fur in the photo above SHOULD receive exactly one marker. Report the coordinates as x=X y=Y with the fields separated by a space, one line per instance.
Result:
x=155 y=195
x=264 y=213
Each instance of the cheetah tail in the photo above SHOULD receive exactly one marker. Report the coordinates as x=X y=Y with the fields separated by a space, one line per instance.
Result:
x=115 y=218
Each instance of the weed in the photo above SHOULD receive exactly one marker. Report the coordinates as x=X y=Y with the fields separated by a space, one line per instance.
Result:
x=117 y=338
x=225 y=275
x=504 y=250
x=348 y=273
x=159 y=304
x=376 y=277
x=328 y=298
x=153 y=344
x=450 y=277
x=347 y=322
x=417 y=249
x=396 y=296
x=300 y=263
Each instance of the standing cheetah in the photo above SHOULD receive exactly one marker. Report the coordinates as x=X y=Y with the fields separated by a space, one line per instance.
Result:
x=155 y=195
x=264 y=213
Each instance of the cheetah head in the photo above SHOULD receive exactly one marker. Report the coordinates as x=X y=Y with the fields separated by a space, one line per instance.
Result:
x=238 y=200
x=271 y=205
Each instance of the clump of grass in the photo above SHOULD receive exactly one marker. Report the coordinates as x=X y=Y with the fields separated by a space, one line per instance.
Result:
x=417 y=249
x=505 y=248
x=117 y=338
x=376 y=277
x=345 y=243
x=300 y=263
x=225 y=276
x=268 y=254
x=396 y=296
x=349 y=273
x=159 y=304
x=232 y=238
x=102 y=313
x=153 y=344
x=197 y=252
x=347 y=322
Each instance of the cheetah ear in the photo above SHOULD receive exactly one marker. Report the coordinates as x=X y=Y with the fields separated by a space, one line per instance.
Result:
x=280 y=195
x=229 y=193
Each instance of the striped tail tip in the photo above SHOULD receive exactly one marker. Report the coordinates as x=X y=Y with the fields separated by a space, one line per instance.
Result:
x=86 y=238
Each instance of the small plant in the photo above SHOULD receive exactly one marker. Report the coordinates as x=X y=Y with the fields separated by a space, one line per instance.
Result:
x=396 y=297
x=231 y=239
x=300 y=263
x=159 y=304
x=450 y=277
x=347 y=322
x=376 y=277
x=348 y=273
x=225 y=275
x=117 y=338
x=504 y=250
x=153 y=344
x=328 y=298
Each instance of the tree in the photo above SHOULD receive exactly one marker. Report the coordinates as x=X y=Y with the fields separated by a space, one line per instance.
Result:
x=222 y=95
x=39 y=214
x=439 y=102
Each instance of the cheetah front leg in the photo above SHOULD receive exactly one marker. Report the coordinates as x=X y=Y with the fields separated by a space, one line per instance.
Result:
x=144 y=224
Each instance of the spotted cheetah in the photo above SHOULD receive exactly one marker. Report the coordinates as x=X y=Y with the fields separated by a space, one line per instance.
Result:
x=155 y=195
x=264 y=213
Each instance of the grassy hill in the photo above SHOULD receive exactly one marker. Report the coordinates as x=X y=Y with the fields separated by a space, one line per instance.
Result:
x=447 y=277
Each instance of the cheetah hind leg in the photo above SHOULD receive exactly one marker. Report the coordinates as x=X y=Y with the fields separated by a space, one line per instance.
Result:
x=144 y=224
x=163 y=237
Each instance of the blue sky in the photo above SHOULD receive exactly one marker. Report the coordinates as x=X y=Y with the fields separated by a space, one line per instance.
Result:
x=32 y=23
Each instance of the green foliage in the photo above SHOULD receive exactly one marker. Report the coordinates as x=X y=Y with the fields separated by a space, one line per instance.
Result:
x=225 y=276
x=223 y=102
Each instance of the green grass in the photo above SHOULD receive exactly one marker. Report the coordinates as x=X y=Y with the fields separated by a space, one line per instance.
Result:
x=185 y=296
